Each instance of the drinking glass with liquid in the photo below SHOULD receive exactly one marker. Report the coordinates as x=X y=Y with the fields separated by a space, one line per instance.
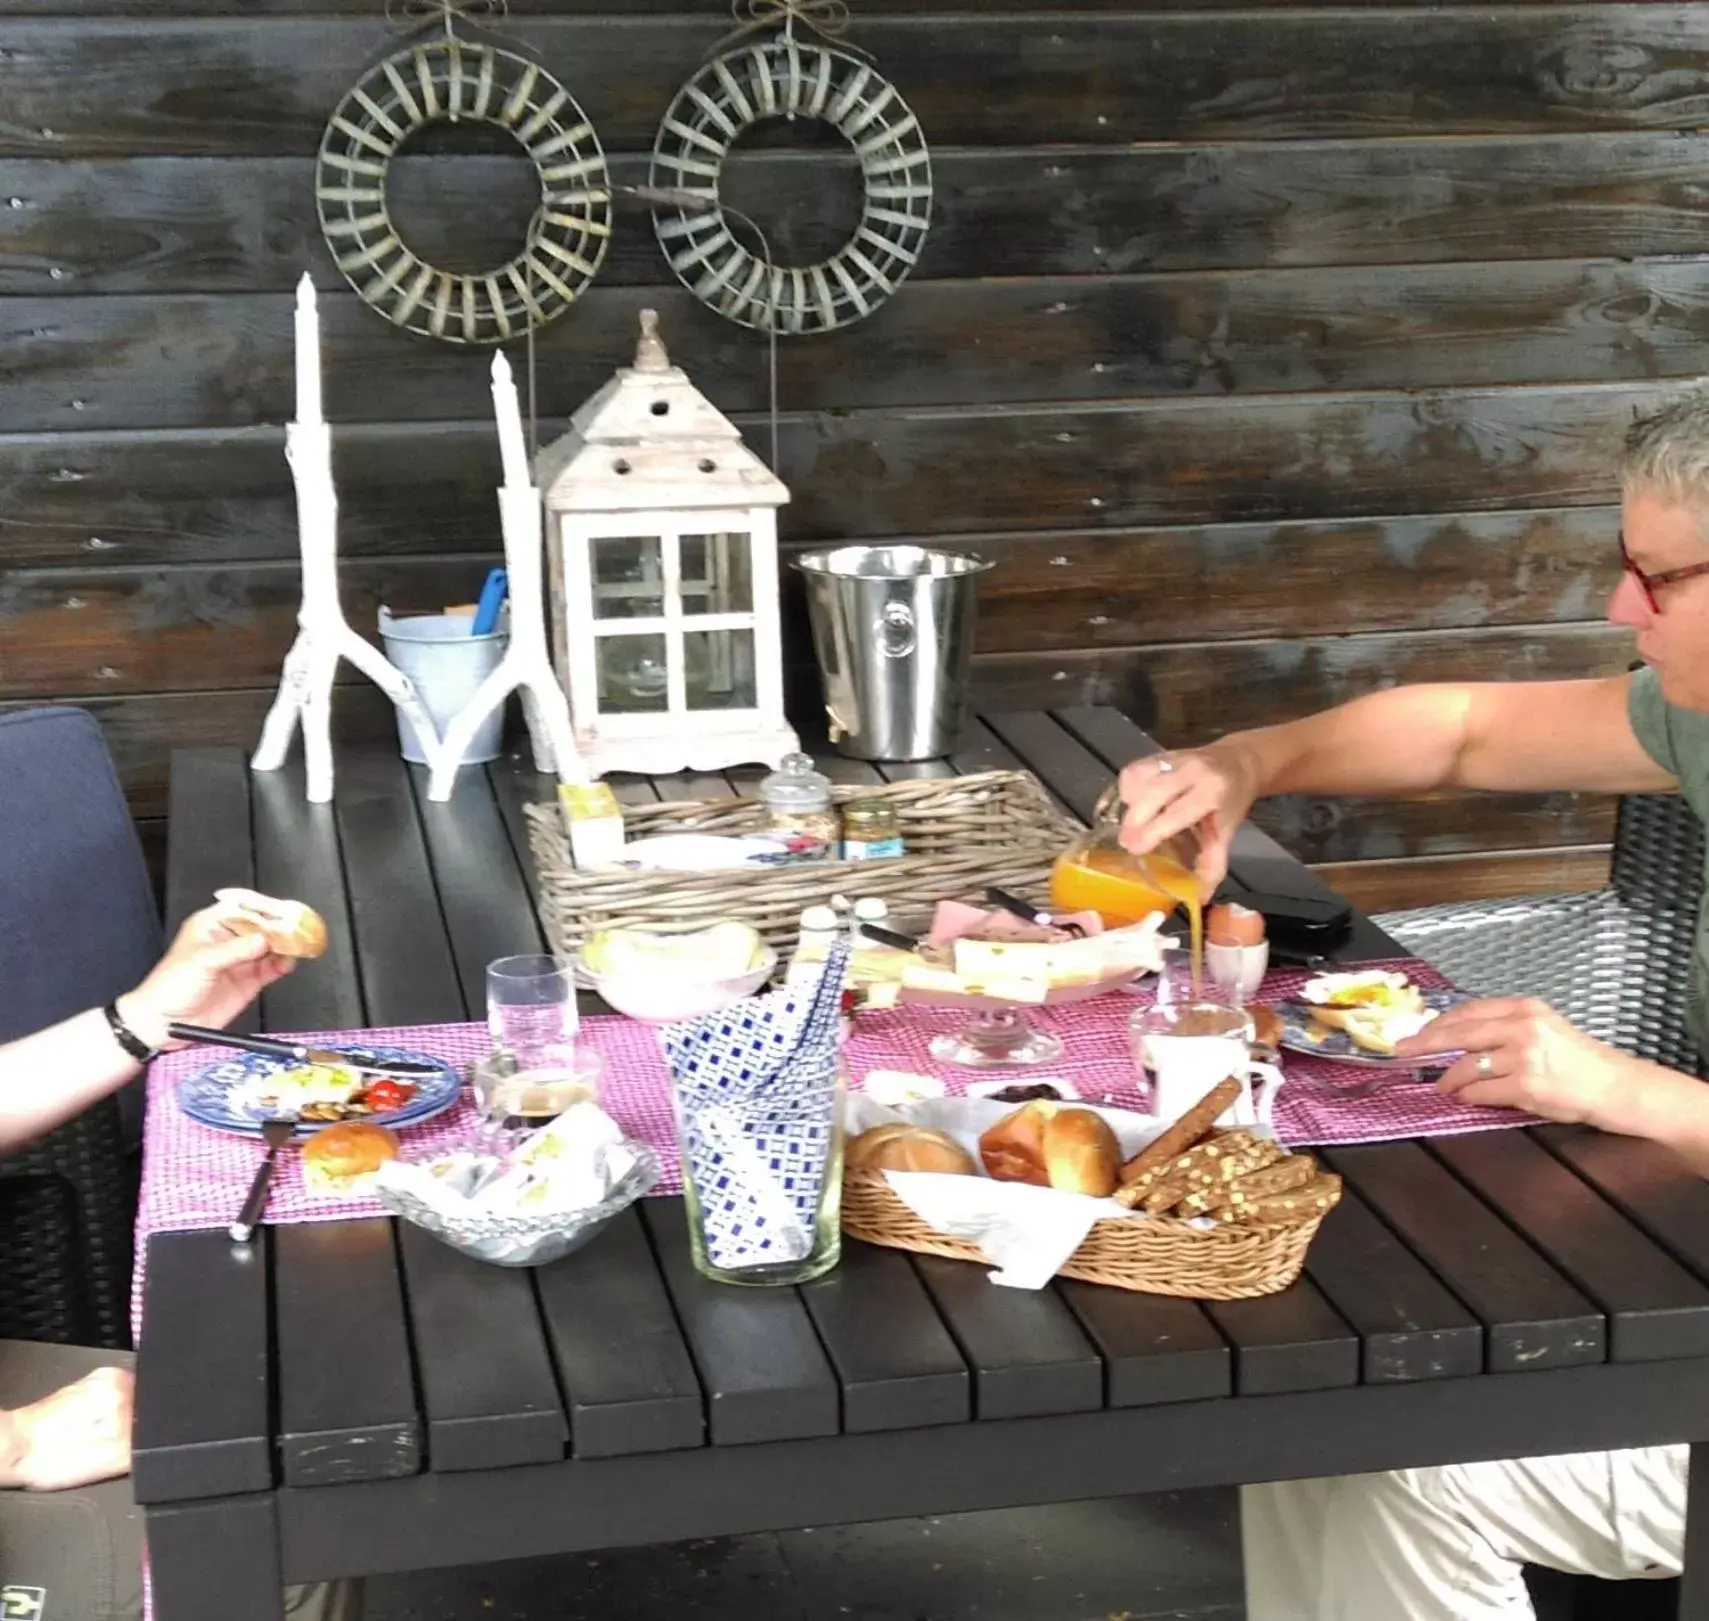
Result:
x=540 y=1067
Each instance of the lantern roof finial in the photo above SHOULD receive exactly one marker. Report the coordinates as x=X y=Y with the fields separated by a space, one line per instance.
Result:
x=650 y=353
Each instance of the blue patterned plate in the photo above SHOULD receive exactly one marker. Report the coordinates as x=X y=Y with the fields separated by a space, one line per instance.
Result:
x=216 y=1096
x=1303 y=1034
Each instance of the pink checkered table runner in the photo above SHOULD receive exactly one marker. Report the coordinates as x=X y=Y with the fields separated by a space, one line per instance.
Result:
x=195 y=1177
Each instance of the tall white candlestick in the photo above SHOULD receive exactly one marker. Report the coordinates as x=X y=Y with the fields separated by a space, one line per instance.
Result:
x=510 y=442
x=308 y=354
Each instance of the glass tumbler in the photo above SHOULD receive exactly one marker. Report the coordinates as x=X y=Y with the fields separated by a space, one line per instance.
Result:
x=533 y=1022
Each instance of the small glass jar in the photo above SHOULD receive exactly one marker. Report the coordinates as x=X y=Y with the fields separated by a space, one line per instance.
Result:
x=871 y=830
x=798 y=801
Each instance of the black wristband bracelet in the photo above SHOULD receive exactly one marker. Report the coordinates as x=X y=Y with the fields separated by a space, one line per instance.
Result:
x=126 y=1037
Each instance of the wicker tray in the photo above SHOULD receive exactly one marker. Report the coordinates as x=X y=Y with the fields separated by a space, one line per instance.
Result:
x=1163 y=1256
x=961 y=834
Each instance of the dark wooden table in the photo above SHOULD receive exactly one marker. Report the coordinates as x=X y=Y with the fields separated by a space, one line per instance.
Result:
x=352 y=1397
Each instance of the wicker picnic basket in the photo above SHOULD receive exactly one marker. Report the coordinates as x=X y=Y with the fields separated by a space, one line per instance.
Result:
x=961 y=835
x=1160 y=1256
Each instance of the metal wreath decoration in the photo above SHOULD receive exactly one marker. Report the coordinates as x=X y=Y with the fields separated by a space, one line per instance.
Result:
x=449 y=80
x=783 y=77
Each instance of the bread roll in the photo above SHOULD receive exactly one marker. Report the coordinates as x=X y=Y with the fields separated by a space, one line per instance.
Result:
x=1081 y=1154
x=898 y=1146
x=1050 y=1146
x=344 y=1158
x=291 y=928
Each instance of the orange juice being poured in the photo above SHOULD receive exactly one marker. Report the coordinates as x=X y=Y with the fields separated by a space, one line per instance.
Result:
x=1098 y=875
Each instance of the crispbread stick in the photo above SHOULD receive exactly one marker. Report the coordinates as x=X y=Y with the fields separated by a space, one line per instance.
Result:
x=1218 y=1158
x=1283 y=1176
x=1309 y=1199
x=1186 y=1131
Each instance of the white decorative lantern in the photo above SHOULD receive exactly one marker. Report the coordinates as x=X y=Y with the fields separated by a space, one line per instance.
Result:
x=662 y=536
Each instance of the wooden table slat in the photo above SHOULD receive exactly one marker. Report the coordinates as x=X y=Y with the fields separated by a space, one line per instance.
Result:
x=1027 y=1352
x=1155 y=1348
x=1532 y=1316
x=978 y=748
x=761 y=1365
x=1409 y=1325
x=1653 y=1186
x=408 y=973
x=209 y=844
x=347 y=1405
x=1057 y=757
x=487 y=1385
x=898 y=1366
x=689 y=786
x=627 y=1376
x=1288 y=1342
x=483 y=892
x=203 y=1423
x=515 y=783
x=297 y=855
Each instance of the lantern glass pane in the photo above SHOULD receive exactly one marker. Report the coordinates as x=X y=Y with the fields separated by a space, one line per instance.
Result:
x=628 y=577
x=632 y=675
x=717 y=573
x=719 y=669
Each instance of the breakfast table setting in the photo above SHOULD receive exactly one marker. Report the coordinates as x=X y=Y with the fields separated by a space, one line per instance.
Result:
x=452 y=1321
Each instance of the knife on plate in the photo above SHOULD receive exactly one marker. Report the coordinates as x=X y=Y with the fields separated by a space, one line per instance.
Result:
x=407 y=1069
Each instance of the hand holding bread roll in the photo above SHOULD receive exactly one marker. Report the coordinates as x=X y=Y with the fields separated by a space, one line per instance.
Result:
x=290 y=928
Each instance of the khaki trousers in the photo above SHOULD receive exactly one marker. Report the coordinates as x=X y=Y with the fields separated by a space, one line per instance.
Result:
x=1448 y=1544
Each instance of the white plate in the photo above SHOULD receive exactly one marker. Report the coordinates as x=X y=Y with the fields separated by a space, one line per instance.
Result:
x=702 y=852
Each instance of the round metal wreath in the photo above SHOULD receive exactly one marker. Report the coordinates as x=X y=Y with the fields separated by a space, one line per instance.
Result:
x=783 y=77
x=450 y=81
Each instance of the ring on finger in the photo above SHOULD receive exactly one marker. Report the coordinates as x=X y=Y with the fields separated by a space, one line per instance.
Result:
x=1164 y=763
x=1485 y=1066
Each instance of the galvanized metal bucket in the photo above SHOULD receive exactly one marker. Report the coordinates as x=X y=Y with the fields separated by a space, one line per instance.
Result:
x=893 y=630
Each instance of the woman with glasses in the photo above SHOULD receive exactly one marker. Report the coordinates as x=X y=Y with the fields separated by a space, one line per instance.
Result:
x=1449 y=1544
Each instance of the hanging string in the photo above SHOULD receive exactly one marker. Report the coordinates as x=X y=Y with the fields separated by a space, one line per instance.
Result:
x=829 y=19
x=407 y=15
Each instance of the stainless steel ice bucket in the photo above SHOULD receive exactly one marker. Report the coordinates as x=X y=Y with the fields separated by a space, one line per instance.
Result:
x=893 y=629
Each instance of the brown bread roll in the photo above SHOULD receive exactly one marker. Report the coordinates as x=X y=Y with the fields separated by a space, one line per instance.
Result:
x=1053 y=1147
x=898 y=1146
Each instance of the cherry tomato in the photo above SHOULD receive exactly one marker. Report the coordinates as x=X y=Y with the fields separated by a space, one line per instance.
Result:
x=384 y=1096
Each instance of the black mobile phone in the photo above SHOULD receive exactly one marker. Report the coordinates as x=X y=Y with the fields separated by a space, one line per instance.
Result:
x=1300 y=923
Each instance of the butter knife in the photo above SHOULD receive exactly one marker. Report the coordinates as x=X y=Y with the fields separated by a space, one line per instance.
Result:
x=402 y=1068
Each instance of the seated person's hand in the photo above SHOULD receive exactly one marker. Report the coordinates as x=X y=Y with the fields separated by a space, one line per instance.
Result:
x=1204 y=789
x=75 y=1437
x=1521 y=1054
x=209 y=975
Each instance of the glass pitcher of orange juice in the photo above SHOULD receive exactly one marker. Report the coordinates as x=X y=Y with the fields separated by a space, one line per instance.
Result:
x=1097 y=875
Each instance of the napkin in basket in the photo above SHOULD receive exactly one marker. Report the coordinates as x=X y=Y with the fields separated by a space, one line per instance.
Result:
x=756 y=1100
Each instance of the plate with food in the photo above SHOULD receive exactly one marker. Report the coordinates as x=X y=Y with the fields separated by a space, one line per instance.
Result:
x=1360 y=1018
x=242 y=1093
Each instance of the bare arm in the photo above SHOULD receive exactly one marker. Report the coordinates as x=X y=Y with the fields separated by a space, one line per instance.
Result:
x=1504 y=736
x=1501 y=736
x=47 y=1078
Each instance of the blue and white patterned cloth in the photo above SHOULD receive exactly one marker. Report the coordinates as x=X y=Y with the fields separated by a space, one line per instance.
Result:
x=756 y=1099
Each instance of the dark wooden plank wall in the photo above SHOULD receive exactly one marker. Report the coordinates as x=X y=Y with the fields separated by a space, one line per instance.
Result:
x=1272 y=358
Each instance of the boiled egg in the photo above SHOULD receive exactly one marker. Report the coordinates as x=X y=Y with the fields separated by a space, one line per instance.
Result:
x=1231 y=924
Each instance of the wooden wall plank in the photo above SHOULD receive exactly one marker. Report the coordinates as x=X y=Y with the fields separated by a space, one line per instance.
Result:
x=1189 y=692
x=122 y=629
x=87 y=87
x=225 y=360
x=1385 y=886
x=181 y=225
x=225 y=494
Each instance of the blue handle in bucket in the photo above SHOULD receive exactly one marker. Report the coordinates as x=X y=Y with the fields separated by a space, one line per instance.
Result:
x=493 y=593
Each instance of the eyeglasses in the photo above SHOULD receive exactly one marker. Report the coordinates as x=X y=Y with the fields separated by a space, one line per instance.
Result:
x=1647 y=583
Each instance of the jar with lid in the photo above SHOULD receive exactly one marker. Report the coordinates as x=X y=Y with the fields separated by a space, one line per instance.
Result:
x=871 y=831
x=797 y=800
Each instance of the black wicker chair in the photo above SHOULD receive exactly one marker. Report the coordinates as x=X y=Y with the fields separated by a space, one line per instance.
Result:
x=78 y=925
x=1618 y=963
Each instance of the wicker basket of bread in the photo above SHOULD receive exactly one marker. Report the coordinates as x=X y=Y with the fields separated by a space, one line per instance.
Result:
x=1216 y=1214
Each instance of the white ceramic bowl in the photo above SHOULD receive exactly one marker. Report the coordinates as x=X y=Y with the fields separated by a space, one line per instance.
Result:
x=669 y=999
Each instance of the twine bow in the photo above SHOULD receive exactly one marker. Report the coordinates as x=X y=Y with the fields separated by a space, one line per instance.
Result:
x=829 y=19
x=406 y=15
